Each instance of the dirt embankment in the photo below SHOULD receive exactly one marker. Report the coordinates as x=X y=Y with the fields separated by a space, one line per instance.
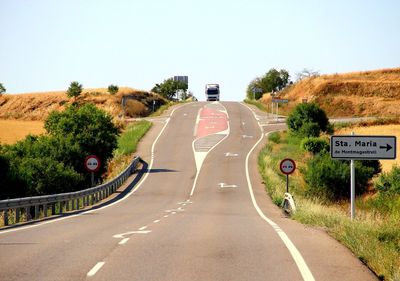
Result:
x=369 y=93
x=37 y=106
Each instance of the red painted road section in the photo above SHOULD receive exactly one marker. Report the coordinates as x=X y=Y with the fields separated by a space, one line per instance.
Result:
x=211 y=122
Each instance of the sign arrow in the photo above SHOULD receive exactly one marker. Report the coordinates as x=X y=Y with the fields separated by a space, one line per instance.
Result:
x=388 y=147
x=120 y=236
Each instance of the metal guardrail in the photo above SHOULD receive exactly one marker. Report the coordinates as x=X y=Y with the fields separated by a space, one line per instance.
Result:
x=22 y=207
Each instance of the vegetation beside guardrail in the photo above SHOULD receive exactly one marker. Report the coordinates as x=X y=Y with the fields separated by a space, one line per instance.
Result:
x=33 y=208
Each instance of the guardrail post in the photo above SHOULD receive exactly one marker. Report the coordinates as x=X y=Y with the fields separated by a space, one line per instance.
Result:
x=27 y=214
x=67 y=203
x=17 y=215
x=53 y=209
x=36 y=212
x=5 y=217
x=45 y=210
x=62 y=203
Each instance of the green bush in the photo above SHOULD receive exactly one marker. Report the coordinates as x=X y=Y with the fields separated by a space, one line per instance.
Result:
x=275 y=137
x=330 y=178
x=113 y=89
x=309 y=129
x=88 y=127
x=314 y=145
x=44 y=176
x=307 y=119
x=389 y=182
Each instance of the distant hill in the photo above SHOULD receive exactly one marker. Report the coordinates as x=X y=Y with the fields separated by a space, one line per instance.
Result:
x=37 y=106
x=369 y=93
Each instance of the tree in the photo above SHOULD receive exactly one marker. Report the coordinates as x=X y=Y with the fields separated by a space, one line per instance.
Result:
x=88 y=127
x=74 y=90
x=113 y=89
x=254 y=89
x=308 y=120
x=2 y=89
x=169 y=87
x=272 y=81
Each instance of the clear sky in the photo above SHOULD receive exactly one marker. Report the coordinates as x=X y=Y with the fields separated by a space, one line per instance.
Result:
x=46 y=44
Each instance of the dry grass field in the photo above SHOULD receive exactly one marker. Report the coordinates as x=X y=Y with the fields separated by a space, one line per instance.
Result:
x=37 y=106
x=369 y=93
x=385 y=130
x=12 y=131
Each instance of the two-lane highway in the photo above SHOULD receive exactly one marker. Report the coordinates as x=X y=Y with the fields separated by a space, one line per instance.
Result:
x=200 y=213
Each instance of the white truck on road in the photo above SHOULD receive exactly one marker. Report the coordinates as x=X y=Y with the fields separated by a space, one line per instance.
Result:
x=212 y=92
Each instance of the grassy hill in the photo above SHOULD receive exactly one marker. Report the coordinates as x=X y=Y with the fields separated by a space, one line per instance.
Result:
x=37 y=106
x=369 y=93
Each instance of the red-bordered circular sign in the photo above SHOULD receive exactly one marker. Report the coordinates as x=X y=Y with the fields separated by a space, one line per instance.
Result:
x=92 y=163
x=287 y=166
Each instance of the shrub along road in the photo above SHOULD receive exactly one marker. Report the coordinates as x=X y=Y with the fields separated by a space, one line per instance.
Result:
x=227 y=230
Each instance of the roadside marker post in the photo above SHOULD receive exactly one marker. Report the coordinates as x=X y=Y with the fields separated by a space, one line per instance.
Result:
x=352 y=147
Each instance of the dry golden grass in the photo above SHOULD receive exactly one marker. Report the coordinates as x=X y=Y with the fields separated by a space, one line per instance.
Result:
x=37 y=106
x=12 y=131
x=385 y=130
x=370 y=93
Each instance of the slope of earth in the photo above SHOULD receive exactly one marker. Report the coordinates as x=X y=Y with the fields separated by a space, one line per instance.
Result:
x=369 y=93
x=37 y=106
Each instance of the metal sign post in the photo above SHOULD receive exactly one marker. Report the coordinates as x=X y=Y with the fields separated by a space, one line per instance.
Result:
x=351 y=147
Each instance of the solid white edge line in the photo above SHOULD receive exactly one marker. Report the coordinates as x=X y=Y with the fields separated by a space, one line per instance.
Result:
x=95 y=268
x=301 y=264
x=112 y=204
x=228 y=131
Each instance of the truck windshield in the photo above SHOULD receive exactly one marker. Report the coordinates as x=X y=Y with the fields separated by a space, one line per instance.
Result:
x=212 y=92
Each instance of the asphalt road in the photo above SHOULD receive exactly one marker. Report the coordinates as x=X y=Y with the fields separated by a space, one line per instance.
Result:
x=199 y=213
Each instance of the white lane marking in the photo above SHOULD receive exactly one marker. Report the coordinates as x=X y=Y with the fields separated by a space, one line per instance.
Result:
x=96 y=268
x=123 y=241
x=201 y=156
x=166 y=216
x=143 y=227
x=297 y=257
x=156 y=221
x=173 y=213
x=224 y=185
x=112 y=204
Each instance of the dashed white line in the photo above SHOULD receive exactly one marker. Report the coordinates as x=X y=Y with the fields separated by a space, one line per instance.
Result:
x=166 y=216
x=156 y=221
x=123 y=241
x=173 y=213
x=143 y=227
x=96 y=268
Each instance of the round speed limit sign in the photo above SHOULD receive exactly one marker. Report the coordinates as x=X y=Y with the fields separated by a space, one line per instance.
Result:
x=92 y=163
x=287 y=166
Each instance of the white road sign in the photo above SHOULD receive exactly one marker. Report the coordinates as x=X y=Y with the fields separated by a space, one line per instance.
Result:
x=363 y=147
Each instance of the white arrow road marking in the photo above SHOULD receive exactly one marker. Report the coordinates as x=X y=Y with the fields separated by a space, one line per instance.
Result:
x=229 y=154
x=121 y=235
x=247 y=137
x=224 y=185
